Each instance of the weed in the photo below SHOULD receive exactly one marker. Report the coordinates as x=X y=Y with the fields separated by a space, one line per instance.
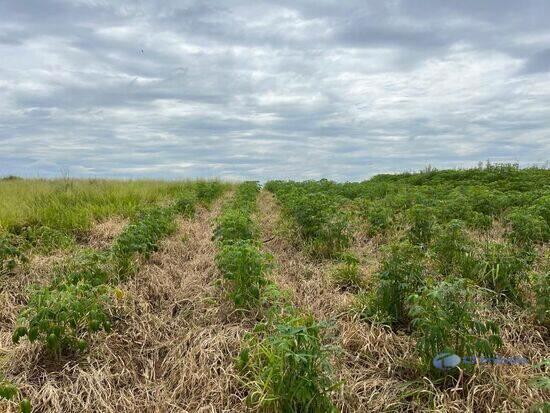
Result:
x=347 y=274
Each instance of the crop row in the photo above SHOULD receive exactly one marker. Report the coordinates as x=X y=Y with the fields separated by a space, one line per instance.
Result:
x=63 y=315
x=283 y=363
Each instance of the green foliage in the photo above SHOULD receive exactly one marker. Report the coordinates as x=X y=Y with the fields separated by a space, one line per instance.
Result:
x=379 y=217
x=7 y=390
x=88 y=266
x=527 y=227
x=12 y=252
x=59 y=316
x=400 y=276
x=444 y=320
x=186 y=203
x=286 y=367
x=320 y=219
x=234 y=225
x=503 y=268
x=347 y=274
x=141 y=237
x=208 y=191
x=454 y=251
x=541 y=287
x=45 y=240
x=423 y=223
x=245 y=266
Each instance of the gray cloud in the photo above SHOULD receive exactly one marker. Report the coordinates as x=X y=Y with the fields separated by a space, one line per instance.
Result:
x=287 y=89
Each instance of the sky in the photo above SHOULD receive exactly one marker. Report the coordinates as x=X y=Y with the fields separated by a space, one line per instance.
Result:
x=271 y=89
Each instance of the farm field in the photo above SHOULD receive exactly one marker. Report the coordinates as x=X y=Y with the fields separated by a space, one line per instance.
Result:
x=314 y=296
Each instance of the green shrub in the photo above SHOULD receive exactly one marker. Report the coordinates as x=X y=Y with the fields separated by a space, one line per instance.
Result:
x=234 y=225
x=347 y=274
x=141 y=237
x=541 y=287
x=423 y=223
x=245 y=266
x=59 y=317
x=286 y=367
x=208 y=191
x=88 y=266
x=12 y=252
x=46 y=240
x=378 y=217
x=186 y=203
x=454 y=252
x=8 y=391
x=444 y=320
x=527 y=227
x=503 y=268
x=400 y=276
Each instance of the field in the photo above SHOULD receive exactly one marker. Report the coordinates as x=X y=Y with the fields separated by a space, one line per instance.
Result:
x=425 y=291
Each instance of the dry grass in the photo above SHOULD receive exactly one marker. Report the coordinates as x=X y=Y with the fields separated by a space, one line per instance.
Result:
x=376 y=365
x=104 y=233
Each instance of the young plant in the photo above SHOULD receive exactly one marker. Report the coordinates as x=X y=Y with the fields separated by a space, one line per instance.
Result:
x=541 y=287
x=88 y=266
x=378 y=217
x=244 y=266
x=400 y=276
x=503 y=268
x=186 y=203
x=527 y=227
x=60 y=317
x=141 y=237
x=286 y=367
x=444 y=320
x=9 y=391
x=234 y=225
x=454 y=252
x=45 y=240
x=12 y=252
x=423 y=223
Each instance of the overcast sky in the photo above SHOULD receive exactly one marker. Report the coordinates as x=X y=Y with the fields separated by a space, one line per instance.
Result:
x=271 y=89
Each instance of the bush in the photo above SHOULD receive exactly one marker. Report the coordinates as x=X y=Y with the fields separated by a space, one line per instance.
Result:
x=208 y=192
x=527 y=227
x=287 y=368
x=245 y=266
x=88 y=266
x=378 y=217
x=444 y=320
x=400 y=276
x=186 y=203
x=141 y=237
x=12 y=252
x=503 y=268
x=234 y=225
x=453 y=251
x=59 y=317
x=423 y=222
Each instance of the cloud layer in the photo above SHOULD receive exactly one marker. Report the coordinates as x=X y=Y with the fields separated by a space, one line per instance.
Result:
x=265 y=89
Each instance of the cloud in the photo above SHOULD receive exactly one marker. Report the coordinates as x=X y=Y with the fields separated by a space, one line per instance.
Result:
x=293 y=89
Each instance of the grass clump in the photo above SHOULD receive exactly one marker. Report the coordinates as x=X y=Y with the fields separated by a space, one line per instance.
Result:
x=286 y=367
x=12 y=252
x=445 y=321
x=347 y=274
